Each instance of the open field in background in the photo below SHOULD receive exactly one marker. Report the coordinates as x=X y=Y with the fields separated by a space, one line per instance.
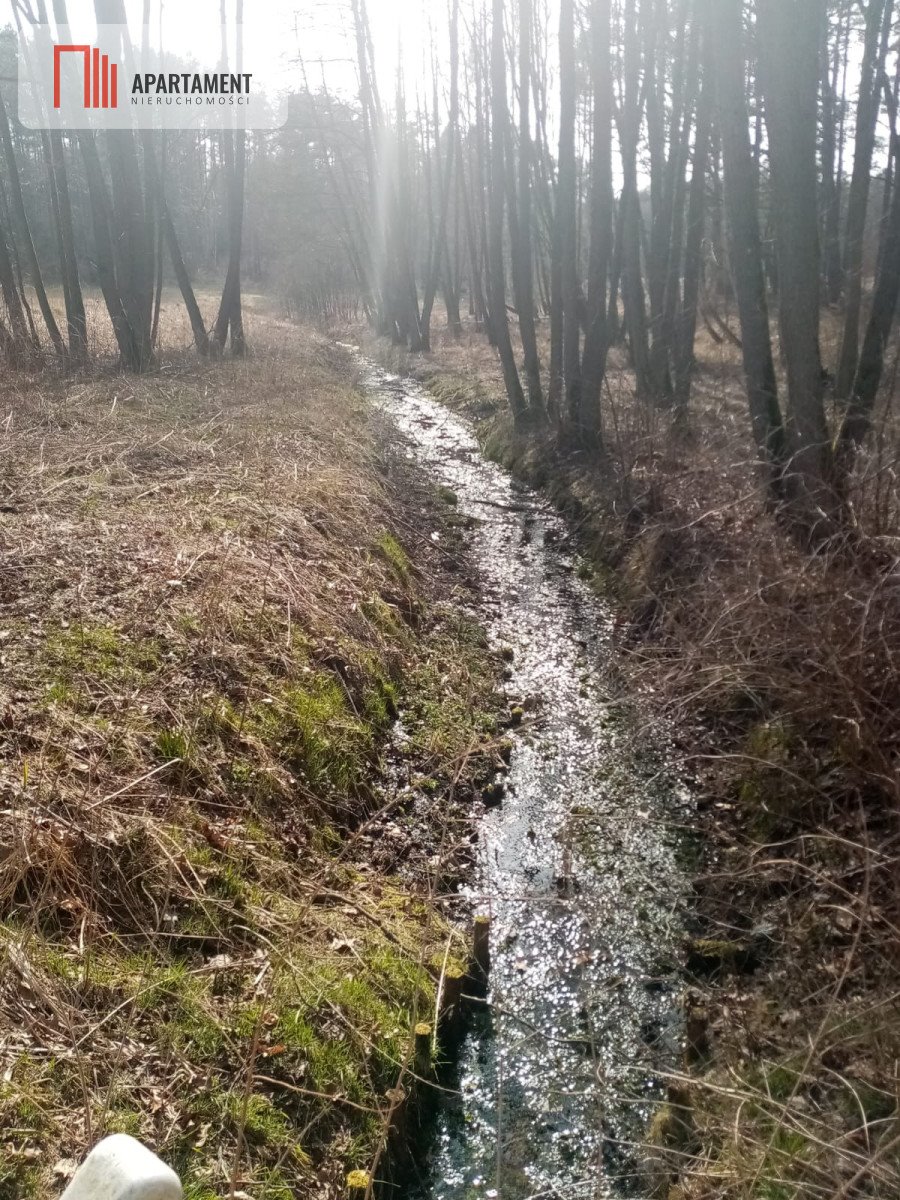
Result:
x=780 y=673
x=218 y=589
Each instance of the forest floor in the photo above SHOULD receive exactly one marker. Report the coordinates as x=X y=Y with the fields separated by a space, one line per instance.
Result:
x=217 y=930
x=779 y=673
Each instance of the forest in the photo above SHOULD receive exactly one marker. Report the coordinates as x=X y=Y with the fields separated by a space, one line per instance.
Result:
x=450 y=610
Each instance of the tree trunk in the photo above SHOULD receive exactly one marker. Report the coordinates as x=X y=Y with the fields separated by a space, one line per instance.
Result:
x=790 y=65
x=104 y=249
x=444 y=187
x=20 y=345
x=597 y=337
x=230 y=315
x=566 y=215
x=18 y=207
x=831 y=204
x=523 y=268
x=725 y=48
x=630 y=117
x=686 y=318
x=132 y=231
x=858 y=418
x=499 y=319
x=76 y=321
x=877 y=24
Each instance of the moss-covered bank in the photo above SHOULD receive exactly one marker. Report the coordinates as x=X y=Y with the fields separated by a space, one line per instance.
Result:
x=218 y=924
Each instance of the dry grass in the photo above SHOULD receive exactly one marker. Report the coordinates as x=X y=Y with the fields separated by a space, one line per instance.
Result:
x=213 y=932
x=780 y=672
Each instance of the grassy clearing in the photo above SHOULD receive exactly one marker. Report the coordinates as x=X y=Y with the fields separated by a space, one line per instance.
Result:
x=218 y=595
x=780 y=672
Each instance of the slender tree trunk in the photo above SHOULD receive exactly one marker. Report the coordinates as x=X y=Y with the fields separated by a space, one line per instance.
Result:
x=597 y=336
x=523 y=269
x=132 y=231
x=878 y=15
x=18 y=207
x=76 y=321
x=630 y=117
x=686 y=318
x=566 y=215
x=6 y=223
x=858 y=418
x=892 y=102
x=444 y=188
x=831 y=205
x=104 y=249
x=20 y=345
x=726 y=24
x=668 y=190
x=790 y=64
x=499 y=319
x=452 y=278
x=230 y=315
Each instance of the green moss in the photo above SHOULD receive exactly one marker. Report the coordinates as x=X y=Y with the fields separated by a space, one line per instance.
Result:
x=272 y=1184
x=195 y=1189
x=771 y=741
x=120 y=1119
x=261 y=1121
x=710 y=956
x=17 y=1179
x=779 y=1082
x=192 y=1029
x=312 y=727
x=381 y=703
x=876 y=1103
x=451 y=705
x=771 y=787
x=394 y=555
x=189 y=624
x=455 y=968
x=99 y=652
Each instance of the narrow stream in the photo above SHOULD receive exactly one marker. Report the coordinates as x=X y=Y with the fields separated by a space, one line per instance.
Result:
x=579 y=867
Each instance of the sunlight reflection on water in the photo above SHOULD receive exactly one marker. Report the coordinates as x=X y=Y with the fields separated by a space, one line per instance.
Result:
x=578 y=867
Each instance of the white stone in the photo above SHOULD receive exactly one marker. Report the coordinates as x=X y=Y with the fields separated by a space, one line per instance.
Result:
x=120 y=1168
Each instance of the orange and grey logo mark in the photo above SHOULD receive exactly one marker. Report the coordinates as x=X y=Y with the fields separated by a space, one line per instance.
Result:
x=101 y=77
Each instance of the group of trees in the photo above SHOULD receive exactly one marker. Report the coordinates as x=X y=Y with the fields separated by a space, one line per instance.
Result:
x=117 y=183
x=581 y=175
x=620 y=180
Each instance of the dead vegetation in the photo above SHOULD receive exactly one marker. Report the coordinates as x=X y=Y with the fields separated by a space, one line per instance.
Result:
x=779 y=670
x=214 y=932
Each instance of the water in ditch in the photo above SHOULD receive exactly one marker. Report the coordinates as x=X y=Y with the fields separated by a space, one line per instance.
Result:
x=578 y=868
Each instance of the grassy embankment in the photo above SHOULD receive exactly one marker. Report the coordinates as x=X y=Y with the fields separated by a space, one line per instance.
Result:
x=780 y=672
x=216 y=933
